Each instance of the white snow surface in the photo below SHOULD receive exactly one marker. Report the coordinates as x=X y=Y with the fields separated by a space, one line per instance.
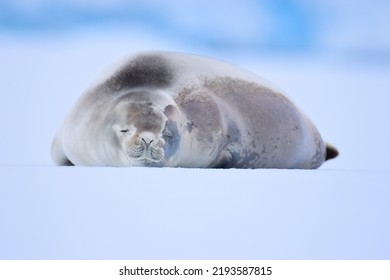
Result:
x=340 y=211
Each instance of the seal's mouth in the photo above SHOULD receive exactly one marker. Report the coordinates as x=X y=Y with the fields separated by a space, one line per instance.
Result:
x=146 y=155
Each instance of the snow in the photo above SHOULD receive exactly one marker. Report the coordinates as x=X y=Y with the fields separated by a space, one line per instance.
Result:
x=339 y=211
x=141 y=213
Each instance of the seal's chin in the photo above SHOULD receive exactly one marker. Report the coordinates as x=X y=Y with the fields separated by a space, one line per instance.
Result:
x=144 y=162
x=151 y=163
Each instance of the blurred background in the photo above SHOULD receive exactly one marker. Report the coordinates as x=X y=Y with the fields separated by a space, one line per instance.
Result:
x=331 y=57
x=353 y=27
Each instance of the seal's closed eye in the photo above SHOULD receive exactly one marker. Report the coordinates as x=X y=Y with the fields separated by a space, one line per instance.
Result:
x=167 y=133
x=124 y=130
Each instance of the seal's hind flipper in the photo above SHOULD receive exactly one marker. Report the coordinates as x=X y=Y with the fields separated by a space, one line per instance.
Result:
x=331 y=152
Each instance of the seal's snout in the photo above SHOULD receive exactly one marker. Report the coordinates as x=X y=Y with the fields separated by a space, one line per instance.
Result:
x=147 y=143
x=146 y=150
x=147 y=138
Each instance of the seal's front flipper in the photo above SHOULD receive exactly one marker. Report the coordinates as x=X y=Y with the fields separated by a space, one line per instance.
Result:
x=58 y=155
x=331 y=152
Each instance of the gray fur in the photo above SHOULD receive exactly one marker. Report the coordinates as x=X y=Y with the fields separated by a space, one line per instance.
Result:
x=177 y=110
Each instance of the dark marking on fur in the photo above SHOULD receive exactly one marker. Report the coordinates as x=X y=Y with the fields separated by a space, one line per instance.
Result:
x=204 y=116
x=144 y=70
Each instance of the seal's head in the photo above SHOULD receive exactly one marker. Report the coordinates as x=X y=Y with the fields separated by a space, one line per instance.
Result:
x=145 y=130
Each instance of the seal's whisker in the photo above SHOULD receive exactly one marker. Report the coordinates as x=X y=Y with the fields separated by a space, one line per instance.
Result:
x=135 y=152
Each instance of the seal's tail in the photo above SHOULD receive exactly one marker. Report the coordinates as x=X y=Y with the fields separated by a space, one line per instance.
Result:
x=331 y=152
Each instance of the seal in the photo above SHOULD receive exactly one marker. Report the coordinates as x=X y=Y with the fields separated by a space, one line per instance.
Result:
x=166 y=109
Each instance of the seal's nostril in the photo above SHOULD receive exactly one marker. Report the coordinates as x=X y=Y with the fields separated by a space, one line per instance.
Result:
x=147 y=142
